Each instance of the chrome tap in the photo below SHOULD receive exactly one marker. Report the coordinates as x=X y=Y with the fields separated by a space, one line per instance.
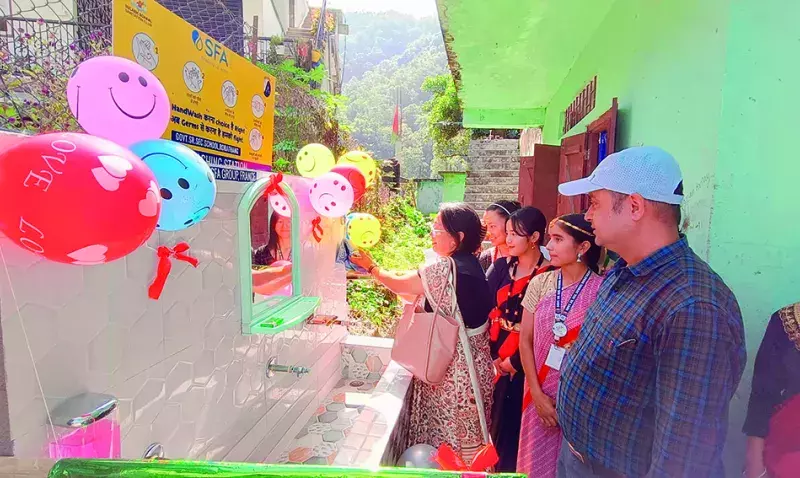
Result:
x=273 y=368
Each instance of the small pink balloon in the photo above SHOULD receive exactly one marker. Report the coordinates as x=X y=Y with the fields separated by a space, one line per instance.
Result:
x=279 y=204
x=331 y=195
x=119 y=100
x=354 y=176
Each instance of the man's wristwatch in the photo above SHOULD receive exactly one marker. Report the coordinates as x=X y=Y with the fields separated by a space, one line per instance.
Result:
x=372 y=268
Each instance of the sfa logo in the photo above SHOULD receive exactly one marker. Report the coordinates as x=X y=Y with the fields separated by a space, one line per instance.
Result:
x=211 y=48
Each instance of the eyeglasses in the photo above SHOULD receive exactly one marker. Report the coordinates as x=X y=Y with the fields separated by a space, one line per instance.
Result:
x=436 y=230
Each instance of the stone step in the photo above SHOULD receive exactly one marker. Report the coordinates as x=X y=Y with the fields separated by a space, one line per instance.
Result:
x=497 y=173
x=488 y=198
x=480 y=178
x=491 y=188
x=506 y=164
x=494 y=145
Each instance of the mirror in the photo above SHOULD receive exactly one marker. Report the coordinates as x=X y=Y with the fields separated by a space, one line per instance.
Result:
x=269 y=250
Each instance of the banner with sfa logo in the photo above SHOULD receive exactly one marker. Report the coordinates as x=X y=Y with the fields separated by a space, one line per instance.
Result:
x=217 y=96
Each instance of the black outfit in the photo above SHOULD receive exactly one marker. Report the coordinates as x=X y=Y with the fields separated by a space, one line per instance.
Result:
x=472 y=292
x=776 y=375
x=262 y=256
x=508 y=390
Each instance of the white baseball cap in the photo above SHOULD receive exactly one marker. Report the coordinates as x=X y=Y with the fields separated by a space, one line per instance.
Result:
x=649 y=171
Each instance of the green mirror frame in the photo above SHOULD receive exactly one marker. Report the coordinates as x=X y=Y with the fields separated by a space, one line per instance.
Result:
x=277 y=313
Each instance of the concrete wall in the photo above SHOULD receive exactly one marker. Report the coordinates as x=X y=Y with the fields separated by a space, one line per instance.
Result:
x=712 y=82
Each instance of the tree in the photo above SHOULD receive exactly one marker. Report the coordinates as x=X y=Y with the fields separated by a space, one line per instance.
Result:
x=444 y=114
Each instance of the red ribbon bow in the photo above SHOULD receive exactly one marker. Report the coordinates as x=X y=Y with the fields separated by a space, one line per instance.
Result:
x=272 y=185
x=315 y=227
x=449 y=460
x=165 y=265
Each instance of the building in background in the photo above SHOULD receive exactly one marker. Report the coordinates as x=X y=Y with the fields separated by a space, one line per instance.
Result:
x=711 y=82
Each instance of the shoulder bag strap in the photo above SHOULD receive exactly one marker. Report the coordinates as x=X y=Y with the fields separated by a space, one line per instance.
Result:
x=473 y=374
x=436 y=306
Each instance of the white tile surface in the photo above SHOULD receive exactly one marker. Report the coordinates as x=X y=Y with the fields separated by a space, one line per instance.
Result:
x=180 y=367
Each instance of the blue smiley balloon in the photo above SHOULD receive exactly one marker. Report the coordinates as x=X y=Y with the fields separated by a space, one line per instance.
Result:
x=187 y=185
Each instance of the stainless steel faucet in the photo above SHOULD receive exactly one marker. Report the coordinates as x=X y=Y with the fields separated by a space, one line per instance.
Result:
x=273 y=368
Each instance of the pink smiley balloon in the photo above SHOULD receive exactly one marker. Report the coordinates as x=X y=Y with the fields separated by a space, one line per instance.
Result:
x=279 y=204
x=119 y=100
x=331 y=195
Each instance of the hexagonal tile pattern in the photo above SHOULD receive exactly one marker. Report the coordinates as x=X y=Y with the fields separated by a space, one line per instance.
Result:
x=359 y=355
x=328 y=417
x=333 y=436
x=335 y=407
x=182 y=370
x=319 y=428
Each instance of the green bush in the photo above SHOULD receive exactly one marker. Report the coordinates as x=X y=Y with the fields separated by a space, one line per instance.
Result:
x=405 y=233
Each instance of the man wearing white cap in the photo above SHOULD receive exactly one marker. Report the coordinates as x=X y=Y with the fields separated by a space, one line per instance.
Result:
x=645 y=389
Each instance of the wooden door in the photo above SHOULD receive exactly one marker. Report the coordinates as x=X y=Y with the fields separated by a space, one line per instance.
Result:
x=538 y=179
x=572 y=166
x=601 y=140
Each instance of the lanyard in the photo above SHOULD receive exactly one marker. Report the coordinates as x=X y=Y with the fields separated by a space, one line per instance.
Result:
x=559 y=327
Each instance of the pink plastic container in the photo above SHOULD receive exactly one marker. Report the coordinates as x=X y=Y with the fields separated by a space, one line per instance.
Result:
x=99 y=440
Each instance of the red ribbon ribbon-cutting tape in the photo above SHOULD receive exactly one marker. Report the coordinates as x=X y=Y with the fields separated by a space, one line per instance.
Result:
x=316 y=229
x=272 y=185
x=165 y=265
x=449 y=460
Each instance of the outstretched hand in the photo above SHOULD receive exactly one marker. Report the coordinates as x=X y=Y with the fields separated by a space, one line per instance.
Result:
x=362 y=259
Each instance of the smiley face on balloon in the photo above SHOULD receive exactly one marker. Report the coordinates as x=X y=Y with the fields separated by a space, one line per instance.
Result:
x=314 y=160
x=363 y=230
x=331 y=195
x=187 y=185
x=279 y=204
x=354 y=176
x=364 y=163
x=117 y=99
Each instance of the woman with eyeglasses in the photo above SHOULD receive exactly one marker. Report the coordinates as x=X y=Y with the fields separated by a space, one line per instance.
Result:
x=447 y=413
x=494 y=220
x=508 y=278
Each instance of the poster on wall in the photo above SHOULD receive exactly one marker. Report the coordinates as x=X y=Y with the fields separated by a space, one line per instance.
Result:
x=222 y=104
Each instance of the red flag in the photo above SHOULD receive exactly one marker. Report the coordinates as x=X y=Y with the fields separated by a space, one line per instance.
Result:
x=396 y=124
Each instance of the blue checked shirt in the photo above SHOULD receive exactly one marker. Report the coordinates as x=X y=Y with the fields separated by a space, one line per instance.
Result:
x=645 y=389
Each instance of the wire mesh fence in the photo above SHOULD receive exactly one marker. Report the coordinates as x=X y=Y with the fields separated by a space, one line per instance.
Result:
x=42 y=41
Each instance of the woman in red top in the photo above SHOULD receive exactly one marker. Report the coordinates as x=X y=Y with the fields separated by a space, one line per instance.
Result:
x=508 y=279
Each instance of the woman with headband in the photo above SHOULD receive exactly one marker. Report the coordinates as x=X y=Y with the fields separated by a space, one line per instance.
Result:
x=555 y=306
x=494 y=219
x=508 y=279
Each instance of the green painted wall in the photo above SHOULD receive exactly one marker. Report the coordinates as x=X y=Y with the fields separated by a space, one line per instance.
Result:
x=429 y=195
x=755 y=233
x=455 y=185
x=714 y=83
x=665 y=62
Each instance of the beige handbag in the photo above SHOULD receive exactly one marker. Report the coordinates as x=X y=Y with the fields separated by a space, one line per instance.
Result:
x=425 y=343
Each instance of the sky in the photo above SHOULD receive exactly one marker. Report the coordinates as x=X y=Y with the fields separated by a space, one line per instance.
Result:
x=417 y=8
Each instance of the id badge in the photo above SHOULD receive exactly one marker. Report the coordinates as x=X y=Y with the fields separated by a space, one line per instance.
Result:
x=555 y=357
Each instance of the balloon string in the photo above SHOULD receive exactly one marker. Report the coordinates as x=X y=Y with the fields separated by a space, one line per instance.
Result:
x=316 y=229
x=30 y=352
x=273 y=185
x=165 y=266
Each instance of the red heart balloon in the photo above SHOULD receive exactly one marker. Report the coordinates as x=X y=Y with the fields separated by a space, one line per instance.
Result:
x=76 y=198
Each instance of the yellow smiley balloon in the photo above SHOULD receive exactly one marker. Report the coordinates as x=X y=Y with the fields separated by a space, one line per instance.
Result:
x=364 y=163
x=363 y=230
x=314 y=160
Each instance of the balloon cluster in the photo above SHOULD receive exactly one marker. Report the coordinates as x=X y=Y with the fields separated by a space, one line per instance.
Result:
x=93 y=198
x=337 y=186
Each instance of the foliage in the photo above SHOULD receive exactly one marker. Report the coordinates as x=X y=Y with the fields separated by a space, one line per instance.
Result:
x=443 y=117
x=375 y=37
x=372 y=101
x=405 y=234
x=330 y=20
x=303 y=114
x=34 y=80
